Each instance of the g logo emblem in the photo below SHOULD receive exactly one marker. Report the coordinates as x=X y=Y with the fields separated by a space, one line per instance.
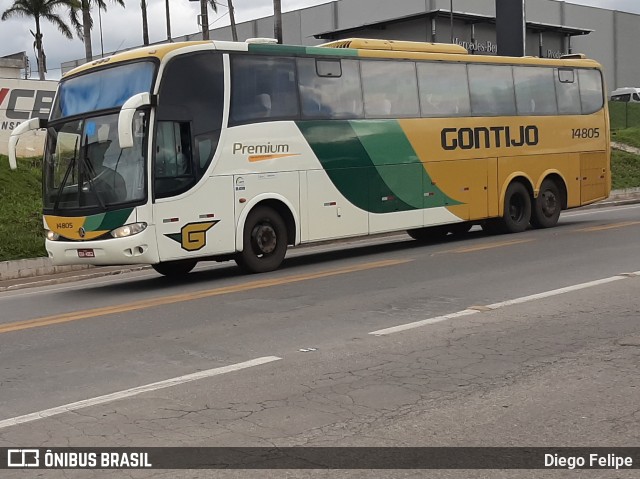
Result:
x=82 y=232
x=193 y=236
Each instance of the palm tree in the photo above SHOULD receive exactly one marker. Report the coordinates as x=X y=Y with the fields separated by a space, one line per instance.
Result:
x=87 y=23
x=44 y=10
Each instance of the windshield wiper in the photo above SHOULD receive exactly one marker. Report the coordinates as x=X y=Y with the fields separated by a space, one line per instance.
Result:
x=66 y=176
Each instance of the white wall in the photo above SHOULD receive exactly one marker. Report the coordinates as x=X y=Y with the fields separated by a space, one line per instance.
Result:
x=21 y=100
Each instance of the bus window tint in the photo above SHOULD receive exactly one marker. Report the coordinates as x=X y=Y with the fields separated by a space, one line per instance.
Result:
x=262 y=88
x=324 y=94
x=535 y=92
x=492 y=91
x=591 y=95
x=390 y=89
x=444 y=89
x=567 y=92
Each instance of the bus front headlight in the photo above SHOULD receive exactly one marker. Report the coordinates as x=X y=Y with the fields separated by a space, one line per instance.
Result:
x=51 y=235
x=129 y=230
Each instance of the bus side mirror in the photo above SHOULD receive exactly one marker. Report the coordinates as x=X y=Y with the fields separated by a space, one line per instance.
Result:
x=125 y=118
x=29 y=125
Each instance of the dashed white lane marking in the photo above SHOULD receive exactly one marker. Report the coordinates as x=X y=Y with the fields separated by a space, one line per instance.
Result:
x=127 y=393
x=503 y=304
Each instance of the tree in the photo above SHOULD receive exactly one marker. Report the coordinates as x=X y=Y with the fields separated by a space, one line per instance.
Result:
x=87 y=23
x=44 y=10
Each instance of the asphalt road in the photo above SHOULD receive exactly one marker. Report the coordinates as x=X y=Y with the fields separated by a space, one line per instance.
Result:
x=518 y=340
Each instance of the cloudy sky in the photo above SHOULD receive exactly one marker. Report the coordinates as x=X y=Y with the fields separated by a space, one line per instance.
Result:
x=122 y=26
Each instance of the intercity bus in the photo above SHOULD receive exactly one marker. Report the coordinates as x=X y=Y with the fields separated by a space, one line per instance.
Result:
x=173 y=154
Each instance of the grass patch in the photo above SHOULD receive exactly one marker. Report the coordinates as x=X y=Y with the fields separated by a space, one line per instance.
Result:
x=628 y=136
x=625 y=170
x=21 y=232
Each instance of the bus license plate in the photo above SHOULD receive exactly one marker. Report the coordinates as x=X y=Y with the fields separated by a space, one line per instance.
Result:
x=86 y=253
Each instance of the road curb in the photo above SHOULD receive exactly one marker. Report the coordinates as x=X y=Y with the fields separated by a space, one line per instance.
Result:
x=52 y=281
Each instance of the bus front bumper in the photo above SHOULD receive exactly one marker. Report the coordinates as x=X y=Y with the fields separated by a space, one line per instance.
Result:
x=136 y=249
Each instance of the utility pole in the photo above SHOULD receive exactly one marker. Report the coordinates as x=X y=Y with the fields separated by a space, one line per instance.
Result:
x=204 y=19
x=166 y=5
x=232 y=17
x=277 y=20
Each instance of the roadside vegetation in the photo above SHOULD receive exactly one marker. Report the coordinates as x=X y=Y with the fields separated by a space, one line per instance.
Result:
x=21 y=232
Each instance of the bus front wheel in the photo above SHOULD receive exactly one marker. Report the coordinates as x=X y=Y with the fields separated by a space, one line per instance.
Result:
x=175 y=269
x=517 y=209
x=264 y=241
x=547 y=206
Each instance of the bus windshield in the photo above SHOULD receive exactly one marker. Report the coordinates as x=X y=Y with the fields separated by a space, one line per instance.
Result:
x=85 y=168
x=102 y=89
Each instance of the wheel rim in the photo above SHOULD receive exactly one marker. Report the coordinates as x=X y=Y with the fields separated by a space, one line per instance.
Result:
x=264 y=239
x=548 y=203
x=516 y=208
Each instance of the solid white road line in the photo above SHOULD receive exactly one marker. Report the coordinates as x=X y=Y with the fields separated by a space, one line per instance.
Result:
x=598 y=210
x=503 y=304
x=127 y=393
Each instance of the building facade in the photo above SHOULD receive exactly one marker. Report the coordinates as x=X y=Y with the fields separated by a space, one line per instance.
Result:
x=553 y=28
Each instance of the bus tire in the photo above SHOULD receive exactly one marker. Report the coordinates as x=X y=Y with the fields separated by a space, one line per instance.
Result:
x=264 y=241
x=517 y=209
x=428 y=234
x=175 y=269
x=547 y=206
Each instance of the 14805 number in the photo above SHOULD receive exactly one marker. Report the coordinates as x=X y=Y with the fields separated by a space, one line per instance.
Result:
x=585 y=133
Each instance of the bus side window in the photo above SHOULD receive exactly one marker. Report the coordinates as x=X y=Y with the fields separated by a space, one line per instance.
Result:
x=535 y=92
x=262 y=88
x=444 y=89
x=390 y=89
x=173 y=160
x=567 y=92
x=591 y=94
x=492 y=90
x=329 y=89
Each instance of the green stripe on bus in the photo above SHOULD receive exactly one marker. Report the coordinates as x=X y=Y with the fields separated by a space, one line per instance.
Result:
x=349 y=166
x=373 y=164
x=93 y=222
x=275 y=49
x=115 y=219
x=398 y=163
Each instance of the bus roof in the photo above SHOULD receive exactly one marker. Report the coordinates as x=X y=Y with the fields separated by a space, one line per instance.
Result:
x=352 y=47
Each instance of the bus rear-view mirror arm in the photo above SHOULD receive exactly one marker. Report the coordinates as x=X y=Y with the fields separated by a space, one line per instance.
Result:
x=25 y=126
x=127 y=112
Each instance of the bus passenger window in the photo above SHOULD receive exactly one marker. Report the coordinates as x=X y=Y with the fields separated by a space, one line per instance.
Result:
x=329 y=88
x=492 y=92
x=567 y=92
x=535 y=92
x=390 y=89
x=262 y=88
x=591 y=94
x=444 y=89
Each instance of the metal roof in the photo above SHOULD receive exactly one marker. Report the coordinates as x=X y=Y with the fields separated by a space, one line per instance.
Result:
x=462 y=16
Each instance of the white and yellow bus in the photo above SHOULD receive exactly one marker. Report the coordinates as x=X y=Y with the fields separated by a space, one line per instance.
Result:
x=173 y=154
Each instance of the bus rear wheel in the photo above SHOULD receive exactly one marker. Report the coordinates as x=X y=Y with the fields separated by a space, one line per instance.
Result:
x=264 y=241
x=175 y=269
x=547 y=206
x=517 y=209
